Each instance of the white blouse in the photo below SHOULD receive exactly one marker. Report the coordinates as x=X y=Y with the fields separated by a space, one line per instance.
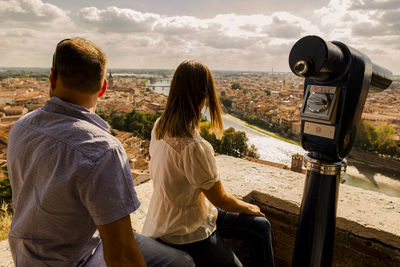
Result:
x=180 y=167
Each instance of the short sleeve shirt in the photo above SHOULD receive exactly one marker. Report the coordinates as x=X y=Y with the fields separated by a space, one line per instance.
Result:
x=180 y=169
x=68 y=174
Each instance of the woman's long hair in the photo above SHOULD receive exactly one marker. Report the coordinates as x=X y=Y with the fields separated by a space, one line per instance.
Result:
x=191 y=85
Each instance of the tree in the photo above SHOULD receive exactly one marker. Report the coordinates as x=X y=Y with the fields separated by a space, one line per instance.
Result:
x=385 y=143
x=144 y=82
x=117 y=120
x=5 y=187
x=139 y=124
x=253 y=153
x=236 y=86
x=366 y=137
x=232 y=143
x=377 y=140
x=252 y=119
x=210 y=137
x=226 y=101
x=153 y=80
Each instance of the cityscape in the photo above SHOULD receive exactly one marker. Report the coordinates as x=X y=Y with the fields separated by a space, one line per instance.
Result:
x=275 y=98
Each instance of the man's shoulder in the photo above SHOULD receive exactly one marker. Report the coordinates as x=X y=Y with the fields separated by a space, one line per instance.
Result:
x=28 y=116
x=19 y=125
x=91 y=140
x=87 y=138
x=76 y=134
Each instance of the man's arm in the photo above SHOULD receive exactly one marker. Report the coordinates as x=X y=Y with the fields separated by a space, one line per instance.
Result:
x=119 y=244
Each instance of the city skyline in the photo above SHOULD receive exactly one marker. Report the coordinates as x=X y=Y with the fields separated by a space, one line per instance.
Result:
x=226 y=35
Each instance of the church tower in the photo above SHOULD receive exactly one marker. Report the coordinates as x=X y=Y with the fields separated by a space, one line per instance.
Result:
x=110 y=80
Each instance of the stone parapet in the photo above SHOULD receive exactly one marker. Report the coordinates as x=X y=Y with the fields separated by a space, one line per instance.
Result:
x=367 y=226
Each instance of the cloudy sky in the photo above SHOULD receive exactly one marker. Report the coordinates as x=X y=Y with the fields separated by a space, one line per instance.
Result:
x=226 y=34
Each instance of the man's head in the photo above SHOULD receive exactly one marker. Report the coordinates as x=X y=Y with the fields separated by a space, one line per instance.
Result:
x=79 y=65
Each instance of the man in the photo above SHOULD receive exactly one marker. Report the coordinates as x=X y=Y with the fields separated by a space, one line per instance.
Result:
x=70 y=176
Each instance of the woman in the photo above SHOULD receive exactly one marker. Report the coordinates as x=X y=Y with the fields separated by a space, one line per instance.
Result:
x=185 y=181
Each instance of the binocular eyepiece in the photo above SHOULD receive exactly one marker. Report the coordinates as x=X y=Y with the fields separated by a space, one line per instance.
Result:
x=312 y=57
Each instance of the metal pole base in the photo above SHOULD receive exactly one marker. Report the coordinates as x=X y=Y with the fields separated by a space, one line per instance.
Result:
x=317 y=219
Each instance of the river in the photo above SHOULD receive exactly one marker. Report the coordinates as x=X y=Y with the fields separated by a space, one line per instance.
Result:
x=275 y=150
x=269 y=148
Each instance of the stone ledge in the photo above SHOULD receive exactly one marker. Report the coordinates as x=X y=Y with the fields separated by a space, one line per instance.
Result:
x=365 y=213
x=366 y=220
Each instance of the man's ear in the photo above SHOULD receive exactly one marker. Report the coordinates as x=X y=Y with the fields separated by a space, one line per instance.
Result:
x=103 y=88
x=52 y=79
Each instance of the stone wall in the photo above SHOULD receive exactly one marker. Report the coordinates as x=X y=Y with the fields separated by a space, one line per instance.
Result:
x=368 y=223
x=367 y=226
x=368 y=157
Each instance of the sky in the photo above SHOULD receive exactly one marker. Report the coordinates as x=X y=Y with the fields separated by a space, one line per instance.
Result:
x=253 y=35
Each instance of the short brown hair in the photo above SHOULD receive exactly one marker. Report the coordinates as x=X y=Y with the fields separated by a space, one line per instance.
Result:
x=80 y=65
x=191 y=84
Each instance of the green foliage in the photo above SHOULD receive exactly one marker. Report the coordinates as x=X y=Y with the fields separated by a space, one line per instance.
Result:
x=144 y=82
x=226 y=102
x=252 y=119
x=385 y=143
x=232 y=143
x=5 y=187
x=152 y=80
x=365 y=137
x=117 y=121
x=236 y=86
x=378 y=140
x=38 y=73
x=268 y=92
x=138 y=123
x=252 y=152
x=5 y=219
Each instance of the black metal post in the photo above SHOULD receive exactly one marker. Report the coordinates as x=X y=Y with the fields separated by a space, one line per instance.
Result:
x=317 y=219
x=337 y=81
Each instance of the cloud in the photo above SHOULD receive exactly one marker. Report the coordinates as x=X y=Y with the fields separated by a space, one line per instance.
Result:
x=225 y=31
x=32 y=11
x=375 y=5
x=246 y=40
x=113 y=19
x=182 y=25
x=288 y=26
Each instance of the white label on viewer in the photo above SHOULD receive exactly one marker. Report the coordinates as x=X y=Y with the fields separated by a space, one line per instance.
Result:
x=321 y=130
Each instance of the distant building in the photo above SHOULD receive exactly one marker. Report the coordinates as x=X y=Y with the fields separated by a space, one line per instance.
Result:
x=297 y=163
x=15 y=110
x=110 y=80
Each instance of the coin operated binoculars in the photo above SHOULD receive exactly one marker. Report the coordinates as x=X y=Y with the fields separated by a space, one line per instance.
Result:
x=337 y=81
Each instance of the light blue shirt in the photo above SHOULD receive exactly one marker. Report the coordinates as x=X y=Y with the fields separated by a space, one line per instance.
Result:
x=68 y=174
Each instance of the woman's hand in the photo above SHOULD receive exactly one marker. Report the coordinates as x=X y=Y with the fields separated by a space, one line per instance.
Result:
x=219 y=198
x=253 y=210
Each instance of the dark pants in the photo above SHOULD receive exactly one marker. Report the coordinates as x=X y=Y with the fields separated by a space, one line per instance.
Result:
x=254 y=230
x=154 y=253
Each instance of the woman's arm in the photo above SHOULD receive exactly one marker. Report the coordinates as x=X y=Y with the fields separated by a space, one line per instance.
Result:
x=217 y=196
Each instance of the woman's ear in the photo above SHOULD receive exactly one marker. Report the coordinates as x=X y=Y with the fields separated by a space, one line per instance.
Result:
x=103 y=88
